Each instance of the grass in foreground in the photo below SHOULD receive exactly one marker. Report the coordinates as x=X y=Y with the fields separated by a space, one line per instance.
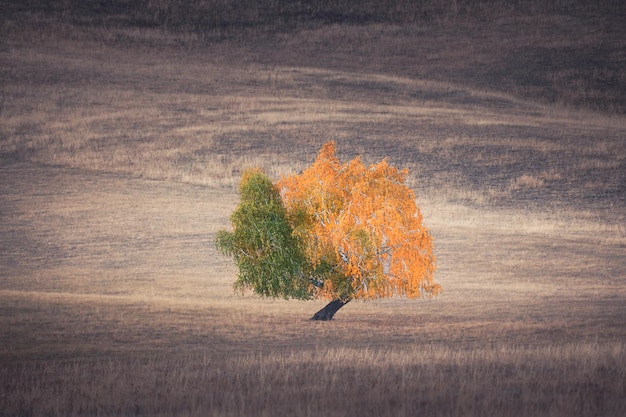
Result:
x=576 y=379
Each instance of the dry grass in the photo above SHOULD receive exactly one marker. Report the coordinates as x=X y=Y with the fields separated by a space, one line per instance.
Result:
x=565 y=380
x=202 y=123
x=115 y=303
x=119 y=162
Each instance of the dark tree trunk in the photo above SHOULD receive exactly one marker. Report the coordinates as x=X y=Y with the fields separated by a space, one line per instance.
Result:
x=329 y=311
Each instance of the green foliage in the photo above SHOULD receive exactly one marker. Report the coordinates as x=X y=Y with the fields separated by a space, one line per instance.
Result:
x=269 y=257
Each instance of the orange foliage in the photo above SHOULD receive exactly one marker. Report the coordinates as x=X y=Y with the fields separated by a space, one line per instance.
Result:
x=365 y=223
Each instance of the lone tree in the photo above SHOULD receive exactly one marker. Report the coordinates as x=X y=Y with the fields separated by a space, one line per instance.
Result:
x=336 y=231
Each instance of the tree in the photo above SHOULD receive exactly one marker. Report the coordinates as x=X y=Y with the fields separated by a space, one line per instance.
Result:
x=262 y=243
x=336 y=231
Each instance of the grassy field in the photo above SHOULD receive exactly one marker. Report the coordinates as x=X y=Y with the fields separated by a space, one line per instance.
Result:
x=122 y=140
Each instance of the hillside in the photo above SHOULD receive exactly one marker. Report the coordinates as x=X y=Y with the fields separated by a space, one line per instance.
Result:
x=124 y=129
x=568 y=53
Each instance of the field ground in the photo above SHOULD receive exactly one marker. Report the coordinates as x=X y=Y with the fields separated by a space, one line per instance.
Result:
x=119 y=162
x=114 y=301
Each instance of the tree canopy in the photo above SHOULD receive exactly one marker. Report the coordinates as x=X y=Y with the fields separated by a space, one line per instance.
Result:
x=337 y=231
x=267 y=253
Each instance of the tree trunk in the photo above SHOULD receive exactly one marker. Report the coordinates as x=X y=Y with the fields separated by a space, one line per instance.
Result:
x=329 y=311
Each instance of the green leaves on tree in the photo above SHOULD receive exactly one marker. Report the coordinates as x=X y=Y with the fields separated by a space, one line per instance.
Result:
x=269 y=257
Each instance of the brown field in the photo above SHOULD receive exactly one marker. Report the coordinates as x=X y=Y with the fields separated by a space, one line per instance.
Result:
x=121 y=147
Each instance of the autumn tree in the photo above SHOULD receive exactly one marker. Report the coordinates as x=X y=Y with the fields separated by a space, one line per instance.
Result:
x=336 y=231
